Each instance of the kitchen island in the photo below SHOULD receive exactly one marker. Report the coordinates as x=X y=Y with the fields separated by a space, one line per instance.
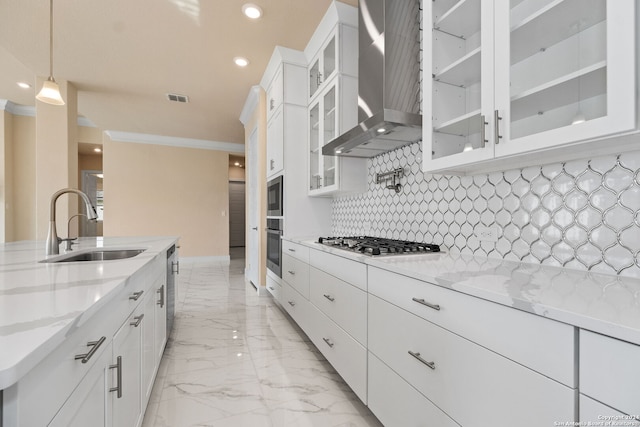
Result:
x=52 y=313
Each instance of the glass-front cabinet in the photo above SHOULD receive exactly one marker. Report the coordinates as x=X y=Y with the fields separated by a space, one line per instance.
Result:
x=323 y=66
x=323 y=123
x=520 y=76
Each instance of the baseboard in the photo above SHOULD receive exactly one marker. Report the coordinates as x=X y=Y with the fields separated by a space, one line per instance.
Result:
x=204 y=259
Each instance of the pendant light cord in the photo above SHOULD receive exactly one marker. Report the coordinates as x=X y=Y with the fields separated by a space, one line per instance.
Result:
x=50 y=39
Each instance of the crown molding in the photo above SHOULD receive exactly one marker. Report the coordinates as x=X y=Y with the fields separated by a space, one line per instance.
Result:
x=250 y=104
x=30 y=111
x=203 y=144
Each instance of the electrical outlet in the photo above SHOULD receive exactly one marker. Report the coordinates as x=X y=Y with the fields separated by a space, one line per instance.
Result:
x=486 y=234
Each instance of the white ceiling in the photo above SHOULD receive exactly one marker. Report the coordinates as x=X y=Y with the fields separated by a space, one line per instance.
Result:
x=125 y=55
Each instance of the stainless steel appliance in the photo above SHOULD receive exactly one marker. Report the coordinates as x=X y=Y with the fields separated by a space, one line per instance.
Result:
x=173 y=268
x=388 y=80
x=375 y=246
x=274 y=245
x=275 y=196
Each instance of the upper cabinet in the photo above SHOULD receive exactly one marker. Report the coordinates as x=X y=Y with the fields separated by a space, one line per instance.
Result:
x=282 y=80
x=332 y=55
x=509 y=78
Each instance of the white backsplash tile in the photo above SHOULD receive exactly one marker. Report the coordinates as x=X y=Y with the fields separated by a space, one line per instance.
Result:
x=582 y=214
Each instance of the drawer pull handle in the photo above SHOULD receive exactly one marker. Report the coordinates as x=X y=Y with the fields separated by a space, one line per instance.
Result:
x=117 y=366
x=271 y=287
x=329 y=297
x=328 y=341
x=95 y=345
x=161 y=292
x=496 y=123
x=136 y=295
x=291 y=303
x=428 y=304
x=293 y=273
x=137 y=320
x=291 y=250
x=432 y=365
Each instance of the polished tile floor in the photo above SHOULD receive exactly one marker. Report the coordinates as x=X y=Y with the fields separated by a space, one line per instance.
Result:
x=236 y=359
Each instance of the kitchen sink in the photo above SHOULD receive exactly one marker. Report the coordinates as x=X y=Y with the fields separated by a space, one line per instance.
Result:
x=97 y=255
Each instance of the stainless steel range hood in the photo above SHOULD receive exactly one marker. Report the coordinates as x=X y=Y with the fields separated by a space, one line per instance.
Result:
x=388 y=80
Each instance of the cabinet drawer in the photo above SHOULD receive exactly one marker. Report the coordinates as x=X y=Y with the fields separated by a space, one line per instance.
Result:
x=274 y=288
x=296 y=274
x=596 y=413
x=344 y=304
x=610 y=372
x=346 y=355
x=295 y=250
x=396 y=403
x=473 y=385
x=352 y=272
x=512 y=333
x=297 y=306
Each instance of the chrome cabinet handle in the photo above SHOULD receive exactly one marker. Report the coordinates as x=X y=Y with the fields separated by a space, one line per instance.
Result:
x=136 y=295
x=271 y=287
x=496 y=120
x=483 y=123
x=161 y=292
x=95 y=345
x=137 y=321
x=272 y=104
x=293 y=273
x=291 y=303
x=428 y=304
x=175 y=264
x=291 y=250
x=254 y=228
x=117 y=366
x=432 y=365
x=328 y=341
x=329 y=297
x=272 y=164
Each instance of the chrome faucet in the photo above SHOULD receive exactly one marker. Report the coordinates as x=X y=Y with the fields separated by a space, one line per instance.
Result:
x=53 y=241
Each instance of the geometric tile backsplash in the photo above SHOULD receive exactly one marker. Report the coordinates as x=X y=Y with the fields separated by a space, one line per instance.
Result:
x=582 y=214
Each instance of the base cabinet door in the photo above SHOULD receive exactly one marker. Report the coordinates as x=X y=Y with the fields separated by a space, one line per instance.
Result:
x=125 y=372
x=396 y=403
x=87 y=405
x=148 y=356
x=160 y=320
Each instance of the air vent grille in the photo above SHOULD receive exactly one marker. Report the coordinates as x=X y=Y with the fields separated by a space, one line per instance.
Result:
x=177 y=98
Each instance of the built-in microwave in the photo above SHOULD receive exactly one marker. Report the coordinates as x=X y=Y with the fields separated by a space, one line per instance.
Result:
x=274 y=197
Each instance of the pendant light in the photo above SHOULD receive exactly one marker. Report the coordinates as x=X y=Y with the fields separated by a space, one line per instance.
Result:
x=50 y=92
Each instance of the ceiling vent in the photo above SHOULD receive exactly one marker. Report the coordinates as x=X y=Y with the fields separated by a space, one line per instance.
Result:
x=177 y=98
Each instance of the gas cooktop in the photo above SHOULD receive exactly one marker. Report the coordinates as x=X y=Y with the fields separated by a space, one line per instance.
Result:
x=375 y=246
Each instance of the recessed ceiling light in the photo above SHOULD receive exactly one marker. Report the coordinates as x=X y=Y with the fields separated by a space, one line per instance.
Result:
x=252 y=11
x=237 y=164
x=382 y=130
x=240 y=61
x=24 y=85
x=97 y=150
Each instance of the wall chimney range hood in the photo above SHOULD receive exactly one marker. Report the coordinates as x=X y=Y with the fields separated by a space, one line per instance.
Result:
x=388 y=80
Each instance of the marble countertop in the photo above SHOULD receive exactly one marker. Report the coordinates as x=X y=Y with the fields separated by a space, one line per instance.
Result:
x=40 y=301
x=602 y=303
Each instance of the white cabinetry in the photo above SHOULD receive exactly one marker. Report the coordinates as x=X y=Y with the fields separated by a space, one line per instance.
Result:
x=275 y=143
x=510 y=78
x=333 y=101
x=608 y=370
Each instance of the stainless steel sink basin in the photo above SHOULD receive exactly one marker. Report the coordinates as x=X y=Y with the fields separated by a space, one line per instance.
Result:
x=98 y=255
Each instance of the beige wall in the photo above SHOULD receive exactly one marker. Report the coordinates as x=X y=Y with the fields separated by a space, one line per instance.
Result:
x=160 y=190
x=6 y=177
x=236 y=173
x=24 y=178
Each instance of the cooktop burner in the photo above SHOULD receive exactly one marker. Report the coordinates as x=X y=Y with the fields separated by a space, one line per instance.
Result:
x=378 y=245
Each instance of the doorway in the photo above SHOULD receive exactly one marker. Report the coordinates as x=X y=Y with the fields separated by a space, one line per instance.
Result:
x=236 y=214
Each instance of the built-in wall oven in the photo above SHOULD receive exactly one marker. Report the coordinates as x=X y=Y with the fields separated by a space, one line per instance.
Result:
x=275 y=224
x=274 y=245
x=274 y=197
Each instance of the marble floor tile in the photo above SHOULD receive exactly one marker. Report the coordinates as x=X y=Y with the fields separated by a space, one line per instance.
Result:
x=235 y=359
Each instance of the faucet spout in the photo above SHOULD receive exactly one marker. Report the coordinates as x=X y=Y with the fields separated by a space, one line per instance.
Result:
x=53 y=241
